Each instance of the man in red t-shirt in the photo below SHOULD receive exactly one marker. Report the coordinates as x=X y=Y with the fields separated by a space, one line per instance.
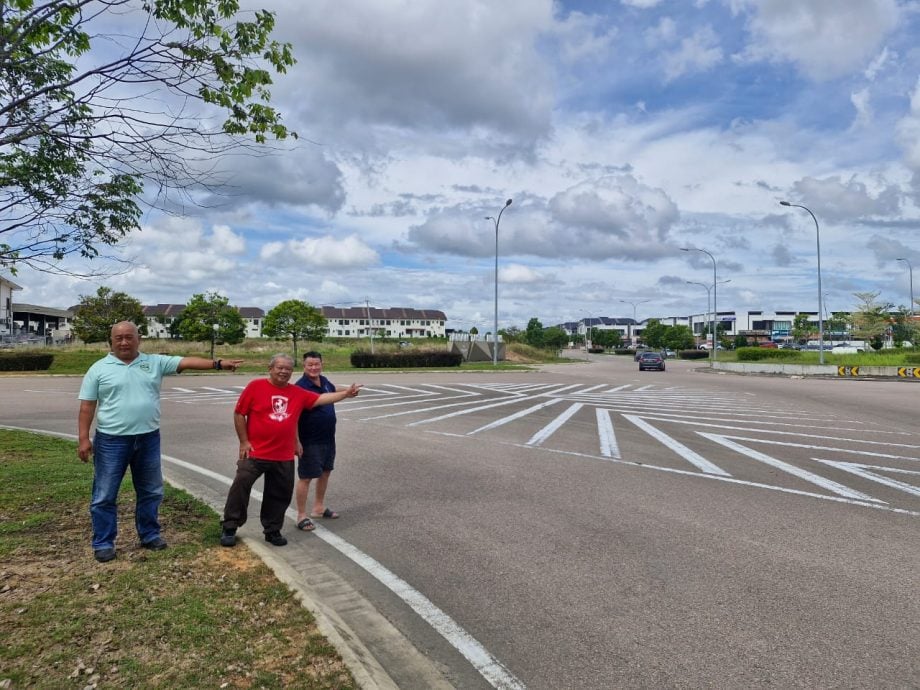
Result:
x=265 y=418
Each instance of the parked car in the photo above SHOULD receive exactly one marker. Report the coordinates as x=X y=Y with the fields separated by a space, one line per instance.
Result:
x=668 y=354
x=769 y=344
x=651 y=361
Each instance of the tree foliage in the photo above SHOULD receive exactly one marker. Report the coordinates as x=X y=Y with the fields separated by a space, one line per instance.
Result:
x=605 y=337
x=872 y=320
x=96 y=314
x=203 y=313
x=533 y=334
x=802 y=328
x=295 y=320
x=678 y=337
x=555 y=338
x=96 y=107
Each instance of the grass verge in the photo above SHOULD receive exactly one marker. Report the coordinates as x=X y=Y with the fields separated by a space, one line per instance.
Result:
x=192 y=616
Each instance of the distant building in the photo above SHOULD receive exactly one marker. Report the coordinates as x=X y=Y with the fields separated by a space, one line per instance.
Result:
x=6 y=305
x=400 y=322
x=55 y=325
x=160 y=318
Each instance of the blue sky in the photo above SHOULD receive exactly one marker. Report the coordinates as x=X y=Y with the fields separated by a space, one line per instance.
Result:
x=623 y=131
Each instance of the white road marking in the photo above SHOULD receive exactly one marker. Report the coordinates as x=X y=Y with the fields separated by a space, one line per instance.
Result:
x=810 y=477
x=517 y=415
x=551 y=428
x=608 y=437
x=687 y=454
x=865 y=471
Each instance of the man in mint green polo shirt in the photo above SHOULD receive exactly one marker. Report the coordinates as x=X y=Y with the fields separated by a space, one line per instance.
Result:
x=122 y=392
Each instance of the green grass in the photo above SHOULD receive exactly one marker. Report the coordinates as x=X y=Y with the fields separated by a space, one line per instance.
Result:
x=256 y=353
x=193 y=616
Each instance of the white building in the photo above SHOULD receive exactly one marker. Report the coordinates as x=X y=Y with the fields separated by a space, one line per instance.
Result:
x=161 y=316
x=396 y=322
x=6 y=305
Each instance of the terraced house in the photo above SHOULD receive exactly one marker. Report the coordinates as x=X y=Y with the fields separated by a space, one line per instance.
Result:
x=398 y=322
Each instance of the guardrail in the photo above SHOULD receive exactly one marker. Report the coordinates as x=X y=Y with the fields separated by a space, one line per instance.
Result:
x=835 y=370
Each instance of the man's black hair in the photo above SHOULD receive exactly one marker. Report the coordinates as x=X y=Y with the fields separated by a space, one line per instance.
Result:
x=312 y=353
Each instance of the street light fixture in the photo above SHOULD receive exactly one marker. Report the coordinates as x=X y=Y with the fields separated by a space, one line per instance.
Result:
x=708 y=289
x=820 y=293
x=496 y=220
x=911 y=269
x=715 y=308
x=635 y=323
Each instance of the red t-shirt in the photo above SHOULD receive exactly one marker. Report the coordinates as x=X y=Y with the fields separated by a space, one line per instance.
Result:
x=271 y=417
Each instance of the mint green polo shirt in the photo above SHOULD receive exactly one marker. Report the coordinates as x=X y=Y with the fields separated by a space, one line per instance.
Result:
x=127 y=395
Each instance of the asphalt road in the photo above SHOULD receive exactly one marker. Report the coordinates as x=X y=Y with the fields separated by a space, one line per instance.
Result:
x=589 y=526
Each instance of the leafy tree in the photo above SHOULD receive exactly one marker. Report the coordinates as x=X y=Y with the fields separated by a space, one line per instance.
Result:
x=838 y=323
x=802 y=328
x=678 y=338
x=902 y=329
x=740 y=341
x=474 y=331
x=555 y=338
x=653 y=334
x=512 y=334
x=88 y=116
x=203 y=312
x=534 y=334
x=606 y=337
x=296 y=320
x=96 y=314
x=872 y=320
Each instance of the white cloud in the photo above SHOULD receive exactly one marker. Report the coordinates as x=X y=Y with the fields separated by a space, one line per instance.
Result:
x=320 y=254
x=522 y=275
x=698 y=53
x=824 y=38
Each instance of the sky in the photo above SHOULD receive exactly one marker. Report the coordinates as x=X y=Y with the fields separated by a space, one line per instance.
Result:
x=622 y=130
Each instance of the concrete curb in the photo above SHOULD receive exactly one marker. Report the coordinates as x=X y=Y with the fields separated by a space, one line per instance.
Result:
x=823 y=370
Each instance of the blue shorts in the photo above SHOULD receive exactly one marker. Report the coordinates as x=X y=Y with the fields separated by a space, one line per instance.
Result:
x=315 y=460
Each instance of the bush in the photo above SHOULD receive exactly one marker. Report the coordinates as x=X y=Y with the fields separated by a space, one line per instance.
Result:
x=758 y=354
x=912 y=359
x=693 y=354
x=25 y=361
x=624 y=351
x=596 y=350
x=361 y=359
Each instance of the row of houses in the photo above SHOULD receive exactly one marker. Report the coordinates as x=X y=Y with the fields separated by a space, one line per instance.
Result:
x=30 y=321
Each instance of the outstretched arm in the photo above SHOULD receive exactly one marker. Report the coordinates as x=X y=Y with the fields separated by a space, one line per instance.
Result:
x=330 y=398
x=205 y=364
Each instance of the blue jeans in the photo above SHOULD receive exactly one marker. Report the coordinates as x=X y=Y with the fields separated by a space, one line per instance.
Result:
x=112 y=456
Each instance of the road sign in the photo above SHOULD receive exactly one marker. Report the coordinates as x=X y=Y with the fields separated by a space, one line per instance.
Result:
x=847 y=371
x=909 y=372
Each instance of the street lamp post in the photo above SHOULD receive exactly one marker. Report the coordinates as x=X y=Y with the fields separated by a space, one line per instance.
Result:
x=634 y=305
x=215 y=327
x=715 y=308
x=496 y=220
x=708 y=289
x=911 y=269
x=820 y=293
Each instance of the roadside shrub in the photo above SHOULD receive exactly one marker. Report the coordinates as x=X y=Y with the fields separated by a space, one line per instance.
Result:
x=25 y=361
x=361 y=359
x=912 y=358
x=759 y=354
x=624 y=351
x=596 y=350
x=693 y=354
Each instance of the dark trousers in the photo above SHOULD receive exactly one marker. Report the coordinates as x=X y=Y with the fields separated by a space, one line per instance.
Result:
x=276 y=495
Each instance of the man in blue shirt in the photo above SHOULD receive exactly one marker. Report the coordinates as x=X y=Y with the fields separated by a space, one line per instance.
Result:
x=316 y=431
x=122 y=392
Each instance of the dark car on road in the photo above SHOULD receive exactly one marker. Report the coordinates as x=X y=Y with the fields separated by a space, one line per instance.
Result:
x=651 y=361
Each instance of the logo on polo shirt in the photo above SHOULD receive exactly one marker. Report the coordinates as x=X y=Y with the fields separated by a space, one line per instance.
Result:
x=279 y=408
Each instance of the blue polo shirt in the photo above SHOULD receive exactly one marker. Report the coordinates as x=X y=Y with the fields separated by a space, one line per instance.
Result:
x=127 y=395
x=317 y=425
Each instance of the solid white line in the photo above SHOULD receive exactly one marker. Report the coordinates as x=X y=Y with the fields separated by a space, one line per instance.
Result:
x=810 y=477
x=474 y=409
x=863 y=471
x=487 y=665
x=683 y=451
x=510 y=418
x=608 y=438
x=554 y=425
x=851 y=451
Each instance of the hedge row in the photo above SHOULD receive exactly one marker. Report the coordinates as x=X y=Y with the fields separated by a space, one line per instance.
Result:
x=404 y=360
x=693 y=354
x=758 y=354
x=25 y=361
